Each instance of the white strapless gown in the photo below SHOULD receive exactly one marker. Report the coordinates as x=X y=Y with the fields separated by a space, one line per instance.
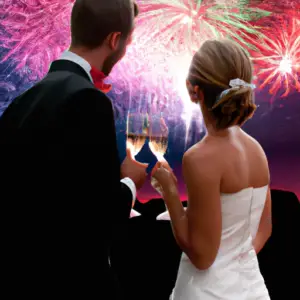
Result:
x=235 y=274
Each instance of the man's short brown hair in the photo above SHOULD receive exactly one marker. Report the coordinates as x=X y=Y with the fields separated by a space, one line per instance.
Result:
x=93 y=20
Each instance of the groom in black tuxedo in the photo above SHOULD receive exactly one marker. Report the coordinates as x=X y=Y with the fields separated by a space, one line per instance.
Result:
x=65 y=196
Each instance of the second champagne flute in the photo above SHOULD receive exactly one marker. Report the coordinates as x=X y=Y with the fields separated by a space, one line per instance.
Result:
x=158 y=137
x=158 y=143
x=136 y=133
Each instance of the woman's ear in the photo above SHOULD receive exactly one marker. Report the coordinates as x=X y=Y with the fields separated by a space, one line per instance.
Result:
x=199 y=93
x=192 y=92
x=187 y=84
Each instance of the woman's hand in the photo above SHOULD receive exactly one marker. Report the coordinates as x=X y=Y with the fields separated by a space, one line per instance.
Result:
x=165 y=177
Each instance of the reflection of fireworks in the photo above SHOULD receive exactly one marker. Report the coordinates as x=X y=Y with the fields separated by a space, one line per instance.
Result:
x=278 y=62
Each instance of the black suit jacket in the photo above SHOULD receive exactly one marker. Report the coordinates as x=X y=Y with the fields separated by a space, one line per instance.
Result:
x=62 y=201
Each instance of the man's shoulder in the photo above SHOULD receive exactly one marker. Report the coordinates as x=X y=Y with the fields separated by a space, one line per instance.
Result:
x=52 y=92
x=68 y=86
x=70 y=82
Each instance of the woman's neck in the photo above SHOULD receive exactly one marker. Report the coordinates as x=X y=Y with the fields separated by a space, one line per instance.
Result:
x=211 y=128
x=212 y=131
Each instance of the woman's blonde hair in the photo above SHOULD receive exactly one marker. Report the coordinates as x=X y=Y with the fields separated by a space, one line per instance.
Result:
x=212 y=68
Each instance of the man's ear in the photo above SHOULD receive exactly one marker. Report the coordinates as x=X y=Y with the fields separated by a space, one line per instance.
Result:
x=113 y=40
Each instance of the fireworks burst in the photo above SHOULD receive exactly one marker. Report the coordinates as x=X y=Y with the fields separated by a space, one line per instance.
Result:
x=152 y=75
x=34 y=32
x=166 y=36
x=182 y=25
x=290 y=8
x=278 y=61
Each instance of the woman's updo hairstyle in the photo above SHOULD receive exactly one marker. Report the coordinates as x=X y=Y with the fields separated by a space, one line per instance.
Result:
x=212 y=68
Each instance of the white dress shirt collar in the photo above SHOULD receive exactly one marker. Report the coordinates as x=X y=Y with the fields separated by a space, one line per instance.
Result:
x=68 y=55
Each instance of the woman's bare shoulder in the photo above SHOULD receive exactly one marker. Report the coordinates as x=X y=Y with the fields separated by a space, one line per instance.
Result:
x=202 y=152
x=254 y=146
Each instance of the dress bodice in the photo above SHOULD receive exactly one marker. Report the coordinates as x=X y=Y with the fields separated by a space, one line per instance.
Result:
x=235 y=273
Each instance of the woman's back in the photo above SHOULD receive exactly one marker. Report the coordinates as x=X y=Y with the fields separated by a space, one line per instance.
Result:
x=240 y=159
x=235 y=272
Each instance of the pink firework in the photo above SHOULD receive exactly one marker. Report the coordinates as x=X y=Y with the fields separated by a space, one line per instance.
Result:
x=34 y=32
x=278 y=61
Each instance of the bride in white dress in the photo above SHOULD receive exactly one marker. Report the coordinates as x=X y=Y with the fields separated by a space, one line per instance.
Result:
x=228 y=219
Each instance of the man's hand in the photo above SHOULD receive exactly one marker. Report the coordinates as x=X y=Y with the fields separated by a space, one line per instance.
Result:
x=135 y=170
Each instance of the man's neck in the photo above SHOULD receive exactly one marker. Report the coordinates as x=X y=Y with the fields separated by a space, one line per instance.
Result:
x=93 y=57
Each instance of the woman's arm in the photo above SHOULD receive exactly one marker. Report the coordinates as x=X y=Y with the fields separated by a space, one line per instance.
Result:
x=198 y=230
x=265 y=226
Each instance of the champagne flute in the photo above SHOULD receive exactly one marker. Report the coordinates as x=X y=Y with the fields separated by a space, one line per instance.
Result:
x=136 y=132
x=158 y=134
x=158 y=137
x=158 y=143
x=137 y=129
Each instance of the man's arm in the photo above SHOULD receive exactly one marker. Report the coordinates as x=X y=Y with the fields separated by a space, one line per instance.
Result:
x=90 y=137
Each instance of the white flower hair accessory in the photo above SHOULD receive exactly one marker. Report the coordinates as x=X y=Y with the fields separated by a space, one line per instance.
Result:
x=239 y=82
x=236 y=83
